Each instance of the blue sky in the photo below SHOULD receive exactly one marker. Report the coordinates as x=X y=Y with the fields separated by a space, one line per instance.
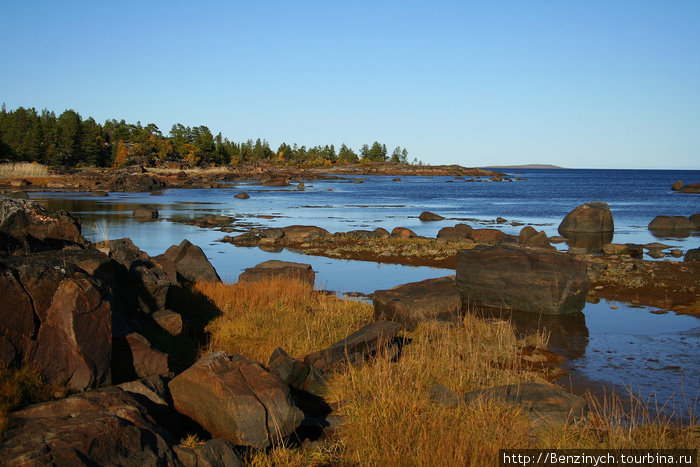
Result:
x=609 y=84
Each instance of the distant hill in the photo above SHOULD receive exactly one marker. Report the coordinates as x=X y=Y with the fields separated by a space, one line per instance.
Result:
x=526 y=166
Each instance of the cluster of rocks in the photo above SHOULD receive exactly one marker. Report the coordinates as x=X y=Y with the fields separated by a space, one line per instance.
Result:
x=689 y=188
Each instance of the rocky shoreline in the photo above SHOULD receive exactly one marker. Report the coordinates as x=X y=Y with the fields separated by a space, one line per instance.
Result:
x=142 y=179
x=120 y=336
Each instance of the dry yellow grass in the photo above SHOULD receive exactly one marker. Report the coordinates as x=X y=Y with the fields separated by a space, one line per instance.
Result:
x=23 y=169
x=389 y=417
x=258 y=317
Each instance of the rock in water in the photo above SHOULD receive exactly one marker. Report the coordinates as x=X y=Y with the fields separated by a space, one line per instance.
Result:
x=671 y=224
x=412 y=303
x=236 y=399
x=522 y=279
x=427 y=216
x=588 y=218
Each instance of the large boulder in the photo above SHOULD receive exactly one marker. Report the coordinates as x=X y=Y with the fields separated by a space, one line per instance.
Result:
x=102 y=427
x=375 y=338
x=19 y=217
x=542 y=403
x=522 y=279
x=189 y=262
x=302 y=233
x=412 y=303
x=275 y=268
x=588 y=218
x=58 y=318
x=671 y=224
x=236 y=399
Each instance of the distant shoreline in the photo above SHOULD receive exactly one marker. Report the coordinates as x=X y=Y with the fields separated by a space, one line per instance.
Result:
x=525 y=166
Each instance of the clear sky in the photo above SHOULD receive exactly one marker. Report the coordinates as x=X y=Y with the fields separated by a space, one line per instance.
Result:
x=604 y=84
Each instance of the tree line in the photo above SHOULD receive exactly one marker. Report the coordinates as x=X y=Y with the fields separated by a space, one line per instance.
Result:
x=70 y=140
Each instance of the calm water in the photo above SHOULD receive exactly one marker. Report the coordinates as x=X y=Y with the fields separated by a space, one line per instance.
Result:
x=647 y=352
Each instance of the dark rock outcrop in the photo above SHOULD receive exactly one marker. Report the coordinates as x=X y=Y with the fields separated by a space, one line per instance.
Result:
x=19 y=218
x=242 y=196
x=588 y=218
x=236 y=399
x=102 y=427
x=58 y=318
x=189 y=262
x=275 y=268
x=410 y=304
x=375 y=338
x=136 y=358
x=522 y=279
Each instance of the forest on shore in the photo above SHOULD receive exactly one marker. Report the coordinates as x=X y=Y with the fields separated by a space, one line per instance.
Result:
x=71 y=140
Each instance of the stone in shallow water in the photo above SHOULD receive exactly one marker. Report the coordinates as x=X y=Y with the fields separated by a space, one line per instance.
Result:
x=522 y=279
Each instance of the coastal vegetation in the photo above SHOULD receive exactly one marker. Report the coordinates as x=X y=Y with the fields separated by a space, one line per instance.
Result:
x=71 y=140
x=388 y=413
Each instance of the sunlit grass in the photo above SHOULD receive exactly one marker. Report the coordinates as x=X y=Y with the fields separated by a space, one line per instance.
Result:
x=23 y=169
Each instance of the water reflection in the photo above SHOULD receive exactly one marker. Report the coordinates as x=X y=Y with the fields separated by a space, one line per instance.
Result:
x=568 y=334
x=592 y=242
